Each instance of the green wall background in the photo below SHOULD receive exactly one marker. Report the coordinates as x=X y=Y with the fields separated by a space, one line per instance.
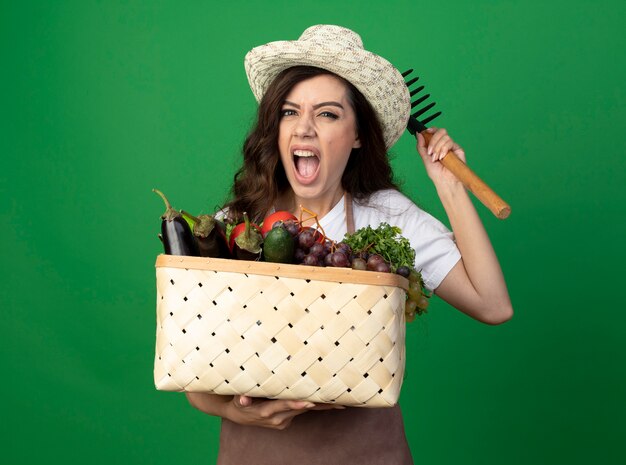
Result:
x=103 y=100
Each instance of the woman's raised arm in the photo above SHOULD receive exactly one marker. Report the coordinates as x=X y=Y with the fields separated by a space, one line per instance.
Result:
x=475 y=285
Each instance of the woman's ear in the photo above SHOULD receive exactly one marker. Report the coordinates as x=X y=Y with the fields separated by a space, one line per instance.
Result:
x=357 y=143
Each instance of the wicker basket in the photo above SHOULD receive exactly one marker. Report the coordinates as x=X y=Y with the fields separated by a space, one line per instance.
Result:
x=330 y=335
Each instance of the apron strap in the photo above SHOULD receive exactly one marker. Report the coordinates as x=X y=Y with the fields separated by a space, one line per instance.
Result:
x=347 y=205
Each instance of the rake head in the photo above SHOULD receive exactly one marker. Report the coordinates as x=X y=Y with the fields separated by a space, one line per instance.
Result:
x=417 y=120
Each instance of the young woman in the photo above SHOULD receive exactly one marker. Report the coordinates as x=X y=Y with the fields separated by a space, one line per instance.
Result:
x=329 y=111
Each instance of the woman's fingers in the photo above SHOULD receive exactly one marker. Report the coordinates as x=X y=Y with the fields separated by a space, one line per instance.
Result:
x=243 y=401
x=436 y=134
x=281 y=415
x=421 y=145
x=440 y=144
x=435 y=142
x=328 y=407
x=267 y=413
x=288 y=405
x=269 y=407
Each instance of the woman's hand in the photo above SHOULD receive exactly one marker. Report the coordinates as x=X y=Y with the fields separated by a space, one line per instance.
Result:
x=276 y=414
x=438 y=147
x=244 y=410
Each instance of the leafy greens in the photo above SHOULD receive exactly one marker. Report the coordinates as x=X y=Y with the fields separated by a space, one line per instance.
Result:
x=386 y=241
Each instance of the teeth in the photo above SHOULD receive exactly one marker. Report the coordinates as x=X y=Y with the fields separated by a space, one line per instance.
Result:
x=303 y=153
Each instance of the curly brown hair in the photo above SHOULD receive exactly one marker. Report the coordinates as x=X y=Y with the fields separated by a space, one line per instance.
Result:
x=262 y=179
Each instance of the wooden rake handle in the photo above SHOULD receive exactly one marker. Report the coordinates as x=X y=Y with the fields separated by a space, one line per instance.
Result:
x=473 y=183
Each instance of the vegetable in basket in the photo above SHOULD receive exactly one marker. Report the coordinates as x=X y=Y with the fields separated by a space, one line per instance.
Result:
x=245 y=240
x=273 y=218
x=209 y=234
x=175 y=232
x=386 y=241
x=279 y=245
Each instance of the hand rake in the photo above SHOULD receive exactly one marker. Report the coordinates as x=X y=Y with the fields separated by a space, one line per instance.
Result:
x=470 y=180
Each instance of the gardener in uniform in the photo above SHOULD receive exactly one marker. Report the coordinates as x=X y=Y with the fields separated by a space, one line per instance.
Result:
x=329 y=111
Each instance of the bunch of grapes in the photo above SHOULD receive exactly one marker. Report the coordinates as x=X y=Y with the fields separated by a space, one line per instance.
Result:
x=416 y=298
x=313 y=249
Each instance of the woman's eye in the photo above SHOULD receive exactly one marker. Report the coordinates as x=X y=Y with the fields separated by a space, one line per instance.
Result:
x=329 y=114
x=288 y=112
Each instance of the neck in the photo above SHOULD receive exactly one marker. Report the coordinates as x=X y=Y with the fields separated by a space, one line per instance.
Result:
x=319 y=205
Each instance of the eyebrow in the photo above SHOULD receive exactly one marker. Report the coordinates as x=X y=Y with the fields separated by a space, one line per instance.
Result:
x=318 y=105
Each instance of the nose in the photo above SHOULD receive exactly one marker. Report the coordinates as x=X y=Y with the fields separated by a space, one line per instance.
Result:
x=304 y=126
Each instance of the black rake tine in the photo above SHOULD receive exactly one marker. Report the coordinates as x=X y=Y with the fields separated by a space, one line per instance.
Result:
x=430 y=118
x=423 y=110
x=415 y=123
x=419 y=100
x=416 y=91
x=412 y=81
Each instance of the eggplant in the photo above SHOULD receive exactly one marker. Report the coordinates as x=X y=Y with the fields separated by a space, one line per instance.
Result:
x=209 y=234
x=175 y=232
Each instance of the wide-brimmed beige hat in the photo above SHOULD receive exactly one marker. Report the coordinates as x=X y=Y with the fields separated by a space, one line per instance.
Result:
x=340 y=51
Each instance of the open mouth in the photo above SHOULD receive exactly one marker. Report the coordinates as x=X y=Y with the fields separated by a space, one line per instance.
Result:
x=306 y=162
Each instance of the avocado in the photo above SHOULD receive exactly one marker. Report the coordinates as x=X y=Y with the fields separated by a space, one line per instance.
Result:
x=278 y=246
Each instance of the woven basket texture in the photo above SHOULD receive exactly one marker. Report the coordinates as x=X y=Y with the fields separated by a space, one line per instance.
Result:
x=223 y=328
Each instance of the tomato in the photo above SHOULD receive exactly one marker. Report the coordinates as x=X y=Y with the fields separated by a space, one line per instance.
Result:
x=268 y=222
x=237 y=230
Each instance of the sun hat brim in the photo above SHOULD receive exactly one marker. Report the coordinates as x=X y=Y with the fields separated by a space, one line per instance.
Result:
x=340 y=51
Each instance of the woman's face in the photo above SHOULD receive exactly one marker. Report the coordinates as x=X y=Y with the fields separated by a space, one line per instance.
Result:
x=317 y=132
